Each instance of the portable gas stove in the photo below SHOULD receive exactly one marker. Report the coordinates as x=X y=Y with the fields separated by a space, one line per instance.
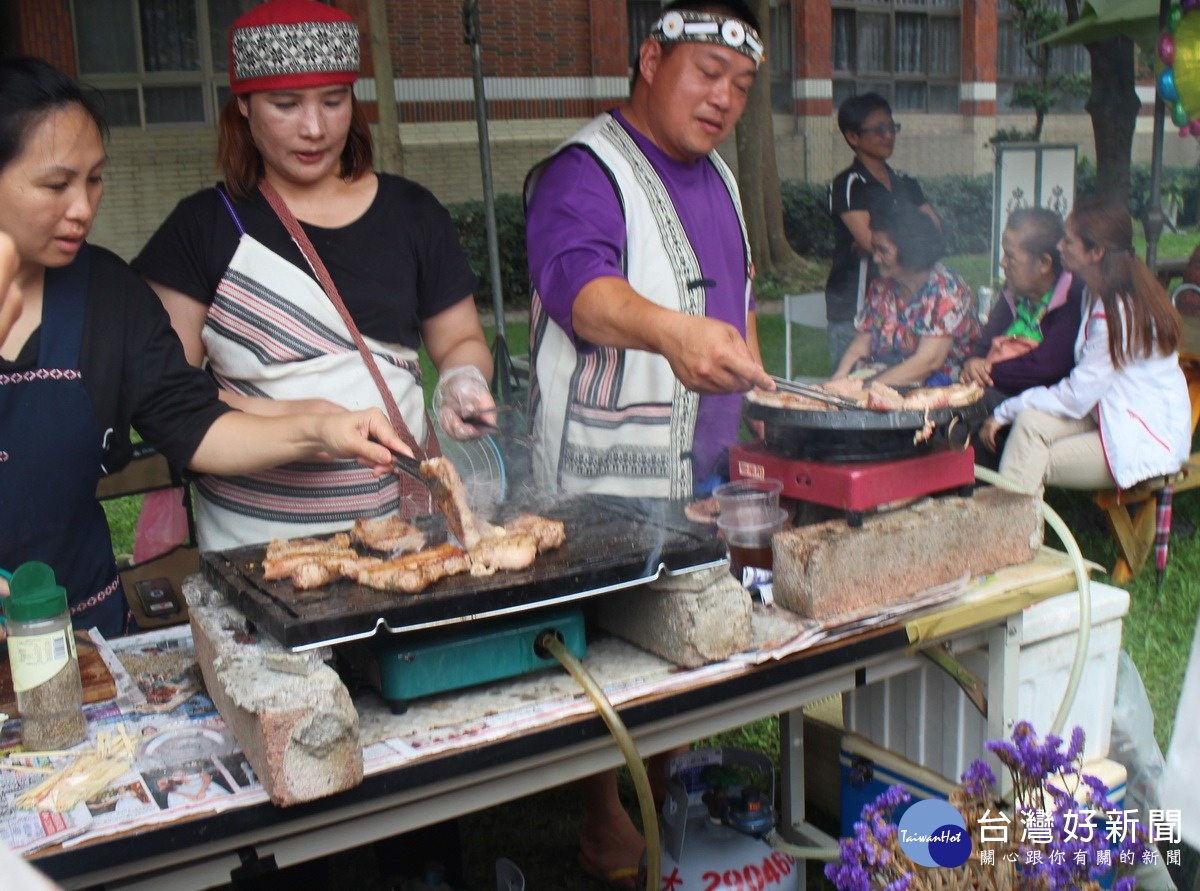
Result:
x=858 y=486
x=466 y=630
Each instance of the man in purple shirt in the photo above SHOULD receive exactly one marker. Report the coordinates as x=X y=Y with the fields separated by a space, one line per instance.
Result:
x=642 y=324
x=644 y=289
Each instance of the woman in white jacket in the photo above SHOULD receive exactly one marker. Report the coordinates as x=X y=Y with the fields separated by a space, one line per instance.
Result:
x=1122 y=415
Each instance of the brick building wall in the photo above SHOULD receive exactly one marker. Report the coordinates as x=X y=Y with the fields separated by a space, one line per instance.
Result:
x=549 y=67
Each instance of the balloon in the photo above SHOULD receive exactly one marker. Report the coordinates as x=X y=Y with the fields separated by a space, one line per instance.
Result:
x=1189 y=5
x=1166 y=48
x=1179 y=116
x=1166 y=87
x=1187 y=68
x=1173 y=18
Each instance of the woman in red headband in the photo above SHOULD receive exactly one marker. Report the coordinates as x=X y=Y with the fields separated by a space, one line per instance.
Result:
x=246 y=298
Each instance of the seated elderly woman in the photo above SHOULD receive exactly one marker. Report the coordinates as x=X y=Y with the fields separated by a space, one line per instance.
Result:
x=1029 y=337
x=918 y=321
x=1122 y=415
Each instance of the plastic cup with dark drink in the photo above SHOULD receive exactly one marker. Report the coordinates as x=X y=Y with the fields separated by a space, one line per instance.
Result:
x=748 y=530
x=747 y=494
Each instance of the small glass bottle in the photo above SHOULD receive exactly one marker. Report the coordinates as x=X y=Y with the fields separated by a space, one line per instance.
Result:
x=45 y=664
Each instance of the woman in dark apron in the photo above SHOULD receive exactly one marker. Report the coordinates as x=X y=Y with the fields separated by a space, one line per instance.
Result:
x=92 y=353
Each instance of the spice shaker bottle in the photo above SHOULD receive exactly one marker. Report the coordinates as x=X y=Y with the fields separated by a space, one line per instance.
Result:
x=45 y=664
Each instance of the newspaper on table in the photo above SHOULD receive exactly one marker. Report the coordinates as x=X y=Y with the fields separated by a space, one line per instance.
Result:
x=159 y=750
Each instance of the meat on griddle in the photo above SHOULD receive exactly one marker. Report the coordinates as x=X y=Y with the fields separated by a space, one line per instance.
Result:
x=450 y=496
x=283 y=556
x=321 y=571
x=549 y=533
x=390 y=535
x=413 y=573
x=508 y=552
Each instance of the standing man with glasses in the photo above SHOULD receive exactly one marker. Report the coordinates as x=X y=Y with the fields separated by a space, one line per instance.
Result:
x=866 y=186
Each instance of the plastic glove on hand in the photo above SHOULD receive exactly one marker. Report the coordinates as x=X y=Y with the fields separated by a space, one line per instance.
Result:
x=462 y=392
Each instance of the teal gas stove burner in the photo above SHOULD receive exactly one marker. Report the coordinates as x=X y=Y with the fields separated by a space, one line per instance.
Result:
x=403 y=667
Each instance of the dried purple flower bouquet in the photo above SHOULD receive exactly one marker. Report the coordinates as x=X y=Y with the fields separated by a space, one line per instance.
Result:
x=1061 y=831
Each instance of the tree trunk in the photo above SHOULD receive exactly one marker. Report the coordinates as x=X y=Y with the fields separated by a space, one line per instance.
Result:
x=1113 y=106
x=750 y=184
x=390 y=154
x=758 y=171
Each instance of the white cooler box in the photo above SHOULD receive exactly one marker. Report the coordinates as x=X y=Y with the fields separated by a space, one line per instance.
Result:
x=925 y=717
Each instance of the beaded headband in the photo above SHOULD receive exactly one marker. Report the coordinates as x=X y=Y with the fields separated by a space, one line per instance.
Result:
x=291 y=44
x=687 y=26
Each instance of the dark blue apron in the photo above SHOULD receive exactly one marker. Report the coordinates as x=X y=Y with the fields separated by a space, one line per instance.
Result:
x=50 y=454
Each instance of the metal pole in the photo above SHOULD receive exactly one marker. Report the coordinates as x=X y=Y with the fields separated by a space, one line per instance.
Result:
x=470 y=14
x=503 y=384
x=1154 y=214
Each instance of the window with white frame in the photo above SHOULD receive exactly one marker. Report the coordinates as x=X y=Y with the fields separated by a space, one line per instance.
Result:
x=1013 y=65
x=156 y=62
x=909 y=51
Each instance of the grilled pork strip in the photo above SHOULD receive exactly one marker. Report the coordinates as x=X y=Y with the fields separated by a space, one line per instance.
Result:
x=510 y=552
x=549 y=533
x=288 y=547
x=388 y=534
x=881 y=397
x=282 y=567
x=414 y=572
x=450 y=495
x=321 y=572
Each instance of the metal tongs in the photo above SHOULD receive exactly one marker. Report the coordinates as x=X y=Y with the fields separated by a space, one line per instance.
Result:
x=810 y=391
x=477 y=419
x=410 y=467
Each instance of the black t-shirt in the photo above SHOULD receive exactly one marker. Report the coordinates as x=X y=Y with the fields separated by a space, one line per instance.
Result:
x=133 y=368
x=395 y=266
x=856 y=189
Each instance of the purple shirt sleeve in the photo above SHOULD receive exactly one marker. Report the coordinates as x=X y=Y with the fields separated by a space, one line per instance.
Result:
x=574 y=230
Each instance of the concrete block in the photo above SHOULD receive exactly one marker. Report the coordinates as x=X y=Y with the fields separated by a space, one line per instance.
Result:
x=290 y=712
x=690 y=619
x=831 y=569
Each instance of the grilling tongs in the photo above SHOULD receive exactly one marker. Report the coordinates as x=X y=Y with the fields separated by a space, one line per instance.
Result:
x=820 y=394
x=410 y=467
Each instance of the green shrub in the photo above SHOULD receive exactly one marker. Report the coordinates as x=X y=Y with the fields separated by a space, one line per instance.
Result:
x=964 y=204
x=1182 y=182
x=806 y=218
x=470 y=219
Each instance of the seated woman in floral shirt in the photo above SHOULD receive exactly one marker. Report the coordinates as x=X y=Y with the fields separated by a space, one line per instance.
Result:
x=918 y=321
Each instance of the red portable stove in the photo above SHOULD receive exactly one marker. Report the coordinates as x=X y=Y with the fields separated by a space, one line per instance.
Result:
x=858 y=486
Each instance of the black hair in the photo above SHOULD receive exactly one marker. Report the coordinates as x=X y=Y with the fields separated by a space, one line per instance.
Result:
x=737 y=9
x=31 y=88
x=913 y=232
x=853 y=112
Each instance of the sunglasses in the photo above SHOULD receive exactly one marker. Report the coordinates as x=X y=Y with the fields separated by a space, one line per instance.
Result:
x=882 y=130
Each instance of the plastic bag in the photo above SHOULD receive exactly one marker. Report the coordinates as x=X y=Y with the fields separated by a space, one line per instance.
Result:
x=1133 y=745
x=162 y=525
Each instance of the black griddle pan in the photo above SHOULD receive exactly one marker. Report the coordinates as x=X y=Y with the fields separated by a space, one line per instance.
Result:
x=611 y=543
